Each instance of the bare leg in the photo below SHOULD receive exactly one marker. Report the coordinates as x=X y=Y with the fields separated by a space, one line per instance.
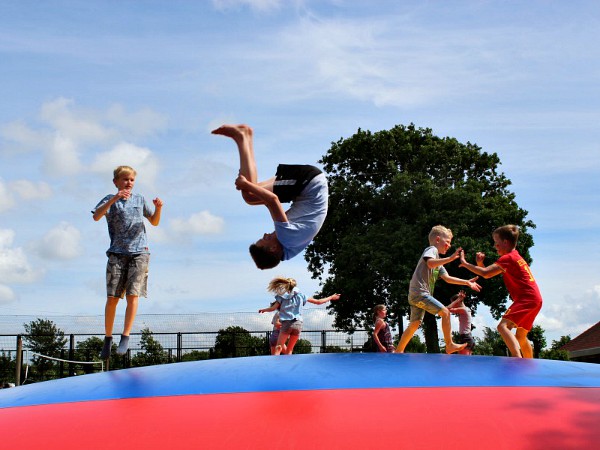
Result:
x=291 y=343
x=509 y=339
x=243 y=137
x=110 y=310
x=281 y=343
x=526 y=349
x=407 y=335
x=132 y=305
x=451 y=346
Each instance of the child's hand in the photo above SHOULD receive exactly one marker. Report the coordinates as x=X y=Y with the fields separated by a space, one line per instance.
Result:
x=157 y=202
x=480 y=257
x=462 y=258
x=261 y=311
x=241 y=182
x=124 y=194
x=457 y=253
x=471 y=283
x=335 y=297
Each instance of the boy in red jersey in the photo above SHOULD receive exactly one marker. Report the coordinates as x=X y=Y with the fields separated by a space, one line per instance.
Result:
x=524 y=291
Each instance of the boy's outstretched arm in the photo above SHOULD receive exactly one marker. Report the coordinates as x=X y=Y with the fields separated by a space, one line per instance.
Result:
x=486 y=272
x=432 y=263
x=270 y=200
x=454 y=280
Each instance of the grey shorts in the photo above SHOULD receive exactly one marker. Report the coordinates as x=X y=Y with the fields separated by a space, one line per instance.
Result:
x=421 y=303
x=291 y=327
x=127 y=275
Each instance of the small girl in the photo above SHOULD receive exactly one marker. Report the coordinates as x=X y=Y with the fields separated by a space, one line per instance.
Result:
x=382 y=336
x=290 y=301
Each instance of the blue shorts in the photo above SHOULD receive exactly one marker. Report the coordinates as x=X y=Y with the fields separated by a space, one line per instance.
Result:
x=273 y=338
x=421 y=303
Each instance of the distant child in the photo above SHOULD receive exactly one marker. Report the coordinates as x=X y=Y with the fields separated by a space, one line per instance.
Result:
x=290 y=301
x=457 y=306
x=274 y=337
x=524 y=291
x=382 y=335
x=305 y=186
x=421 y=286
x=128 y=254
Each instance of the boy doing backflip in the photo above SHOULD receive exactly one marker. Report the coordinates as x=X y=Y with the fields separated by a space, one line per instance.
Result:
x=522 y=287
x=421 y=287
x=303 y=185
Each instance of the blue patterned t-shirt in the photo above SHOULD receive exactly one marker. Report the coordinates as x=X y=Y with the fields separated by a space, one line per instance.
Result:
x=126 y=228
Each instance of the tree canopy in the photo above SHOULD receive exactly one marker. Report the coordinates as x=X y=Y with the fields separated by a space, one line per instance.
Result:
x=387 y=189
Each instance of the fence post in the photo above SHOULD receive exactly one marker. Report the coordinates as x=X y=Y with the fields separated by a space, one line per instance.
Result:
x=19 y=360
x=323 y=341
x=71 y=355
x=179 y=346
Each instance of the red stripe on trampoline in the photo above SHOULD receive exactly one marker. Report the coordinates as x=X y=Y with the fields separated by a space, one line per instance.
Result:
x=416 y=418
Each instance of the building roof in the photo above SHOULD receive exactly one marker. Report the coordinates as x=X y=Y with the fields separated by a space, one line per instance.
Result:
x=587 y=341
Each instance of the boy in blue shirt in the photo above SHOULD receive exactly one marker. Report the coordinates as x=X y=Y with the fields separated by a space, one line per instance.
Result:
x=128 y=254
x=303 y=185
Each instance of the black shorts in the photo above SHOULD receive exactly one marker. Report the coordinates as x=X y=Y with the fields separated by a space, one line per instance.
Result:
x=291 y=179
x=466 y=338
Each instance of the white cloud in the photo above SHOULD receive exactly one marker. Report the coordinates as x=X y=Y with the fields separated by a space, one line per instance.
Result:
x=62 y=242
x=76 y=125
x=14 y=267
x=141 y=159
x=7 y=295
x=140 y=123
x=29 y=190
x=62 y=157
x=21 y=134
x=572 y=315
x=257 y=5
x=200 y=223
x=6 y=199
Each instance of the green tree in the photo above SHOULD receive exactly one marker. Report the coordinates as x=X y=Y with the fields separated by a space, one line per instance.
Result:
x=536 y=336
x=303 y=347
x=555 y=352
x=387 y=189
x=236 y=341
x=491 y=344
x=89 y=350
x=7 y=368
x=152 y=351
x=44 y=338
x=195 y=355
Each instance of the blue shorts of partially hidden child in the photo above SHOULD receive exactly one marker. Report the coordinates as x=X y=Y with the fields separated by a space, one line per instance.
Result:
x=127 y=275
x=273 y=338
x=466 y=338
x=421 y=303
x=291 y=327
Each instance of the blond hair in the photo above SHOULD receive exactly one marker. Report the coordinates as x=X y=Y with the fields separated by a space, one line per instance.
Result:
x=508 y=233
x=281 y=285
x=439 y=230
x=123 y=170
x=376 y=310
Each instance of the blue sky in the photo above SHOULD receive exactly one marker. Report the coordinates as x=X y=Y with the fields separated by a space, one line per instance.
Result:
x=86 y=86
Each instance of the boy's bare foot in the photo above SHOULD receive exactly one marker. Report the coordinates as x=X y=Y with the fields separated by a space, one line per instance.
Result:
x=452 y=347
x=235 y=132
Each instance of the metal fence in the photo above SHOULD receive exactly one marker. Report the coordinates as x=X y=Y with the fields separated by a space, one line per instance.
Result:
x=19 y=364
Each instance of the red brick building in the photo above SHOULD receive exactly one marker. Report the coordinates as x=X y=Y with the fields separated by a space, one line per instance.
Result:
x=586 y=346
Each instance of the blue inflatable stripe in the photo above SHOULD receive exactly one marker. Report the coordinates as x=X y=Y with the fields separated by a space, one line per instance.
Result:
x=307 y=372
